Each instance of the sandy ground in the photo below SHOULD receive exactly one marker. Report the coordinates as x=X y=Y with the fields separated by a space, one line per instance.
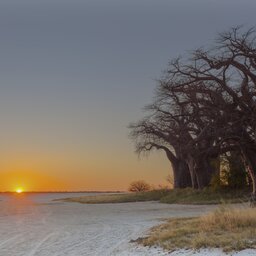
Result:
x=36 y=226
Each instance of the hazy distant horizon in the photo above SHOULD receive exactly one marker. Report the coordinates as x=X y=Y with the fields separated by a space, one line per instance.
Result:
x=67 y=191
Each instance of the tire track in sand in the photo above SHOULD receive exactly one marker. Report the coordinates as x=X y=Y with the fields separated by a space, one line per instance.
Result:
x=9 y=240
x=40 y=243
x=110 y=250
x=77 y=246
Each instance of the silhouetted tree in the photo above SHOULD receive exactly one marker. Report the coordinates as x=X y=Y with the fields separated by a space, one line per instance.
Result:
x=204 y=106
x=160 y=133
x=139 y=186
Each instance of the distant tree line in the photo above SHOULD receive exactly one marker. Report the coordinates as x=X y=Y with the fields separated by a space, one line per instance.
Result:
x=204 y=106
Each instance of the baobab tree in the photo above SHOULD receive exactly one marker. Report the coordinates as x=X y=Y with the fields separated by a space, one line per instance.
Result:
x=228 y=72
x=155 y=133
x=203 y=106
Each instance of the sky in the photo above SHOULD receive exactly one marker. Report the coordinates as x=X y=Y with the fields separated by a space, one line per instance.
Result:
x=75 y=73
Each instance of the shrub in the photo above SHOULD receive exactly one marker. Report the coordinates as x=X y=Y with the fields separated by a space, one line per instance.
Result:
x=139 y=186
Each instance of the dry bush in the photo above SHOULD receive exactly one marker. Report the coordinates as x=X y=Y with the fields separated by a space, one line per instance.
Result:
x=139 y=186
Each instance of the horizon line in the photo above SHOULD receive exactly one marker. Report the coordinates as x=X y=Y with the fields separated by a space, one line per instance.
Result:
x=67 y=191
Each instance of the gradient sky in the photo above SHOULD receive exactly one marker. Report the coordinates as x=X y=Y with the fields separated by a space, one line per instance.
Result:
x=75 y=73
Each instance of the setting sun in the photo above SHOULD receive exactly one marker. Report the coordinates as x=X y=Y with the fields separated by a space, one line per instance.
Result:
x=19 y=190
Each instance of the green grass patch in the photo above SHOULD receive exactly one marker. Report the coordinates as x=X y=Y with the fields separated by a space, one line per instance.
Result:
x=226 y=228
x=154 y=195
x=175 y=196
x=206 y=196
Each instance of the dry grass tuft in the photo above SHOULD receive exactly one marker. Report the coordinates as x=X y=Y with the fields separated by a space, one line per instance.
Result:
x=229 y=219
x=225 y=228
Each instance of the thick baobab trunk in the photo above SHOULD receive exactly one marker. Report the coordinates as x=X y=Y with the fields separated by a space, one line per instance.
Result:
x=201 y=171
x=253 y=195
x=191 y=165
x=249 y=158
x=204 y=172
x=180 y=170
x=181 y=174
x=253 y=180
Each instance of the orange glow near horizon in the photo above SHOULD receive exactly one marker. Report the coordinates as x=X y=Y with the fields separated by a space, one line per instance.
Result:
x=68 y=174
x=20 y=181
